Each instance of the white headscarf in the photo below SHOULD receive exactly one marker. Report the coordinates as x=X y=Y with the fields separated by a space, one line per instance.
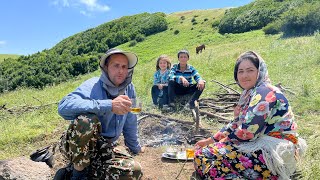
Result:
x=263 y=77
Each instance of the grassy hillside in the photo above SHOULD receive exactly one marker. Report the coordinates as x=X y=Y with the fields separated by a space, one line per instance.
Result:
x=5 y=56
x=294 y=62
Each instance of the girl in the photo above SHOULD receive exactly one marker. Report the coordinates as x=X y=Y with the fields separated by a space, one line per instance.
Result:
x=160 y=82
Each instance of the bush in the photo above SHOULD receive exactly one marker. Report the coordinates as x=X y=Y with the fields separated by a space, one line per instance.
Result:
x=132 y=43
x=140 y=37
x=176 y=32
x=182 y=18
x=215 y=23
x=253 y=16
x=303 y=20
x=272 y=28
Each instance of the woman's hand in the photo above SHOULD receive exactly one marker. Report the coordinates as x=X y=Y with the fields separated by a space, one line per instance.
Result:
x=236 y=111
x=204 y=142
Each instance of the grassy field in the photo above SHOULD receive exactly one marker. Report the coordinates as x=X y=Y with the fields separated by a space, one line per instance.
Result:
x=295 y=62
x=5 y=56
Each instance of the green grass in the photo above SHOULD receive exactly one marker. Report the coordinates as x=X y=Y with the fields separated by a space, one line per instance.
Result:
x=5 y=56
x=294 y=62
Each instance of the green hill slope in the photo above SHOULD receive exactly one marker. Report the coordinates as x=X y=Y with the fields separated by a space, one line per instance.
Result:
x=6 y=56
x=294 y=62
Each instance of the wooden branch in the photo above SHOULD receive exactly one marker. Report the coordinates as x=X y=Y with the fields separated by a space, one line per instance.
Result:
x=142 y=117
x=197 y=117
x=25 y=108
x=220 y=118
x=226 y=94
x=212 y=105
x=227 y=88
x=284 y=89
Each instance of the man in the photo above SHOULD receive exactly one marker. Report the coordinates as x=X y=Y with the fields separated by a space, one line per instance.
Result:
x=100 y=110
x=180 y=83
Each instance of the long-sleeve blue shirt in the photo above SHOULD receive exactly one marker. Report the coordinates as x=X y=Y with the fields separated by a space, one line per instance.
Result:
x=189 y=73
x=91 y=97
x=161 y=78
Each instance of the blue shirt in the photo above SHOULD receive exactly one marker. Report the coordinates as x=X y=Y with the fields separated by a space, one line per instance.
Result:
x=91 y=97
x=161 y=78
x=189 y=73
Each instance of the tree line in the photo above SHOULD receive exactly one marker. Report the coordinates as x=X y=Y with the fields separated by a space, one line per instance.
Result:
x=290 y=17
x=77 y=54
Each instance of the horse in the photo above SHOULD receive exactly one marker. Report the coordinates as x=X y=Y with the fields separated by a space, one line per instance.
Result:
x=199 y=48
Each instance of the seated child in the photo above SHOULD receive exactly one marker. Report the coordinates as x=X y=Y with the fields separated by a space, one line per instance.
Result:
x=159 y=89
x=180 y=83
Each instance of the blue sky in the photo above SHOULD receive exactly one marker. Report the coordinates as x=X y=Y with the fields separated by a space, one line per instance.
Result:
x=29 y=26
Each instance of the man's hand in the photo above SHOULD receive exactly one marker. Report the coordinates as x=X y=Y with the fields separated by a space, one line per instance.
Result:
x=200 y=85
x=160 y=86
x=184 y=81
x=121 y=105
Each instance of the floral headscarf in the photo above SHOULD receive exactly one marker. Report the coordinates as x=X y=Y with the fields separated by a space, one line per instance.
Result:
x=263 y=77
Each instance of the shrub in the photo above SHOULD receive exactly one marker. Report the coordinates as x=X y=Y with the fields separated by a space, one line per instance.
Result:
x=140 y=37
x=215 y=23
x=132 y=43
x=182 y=18
x=253 y=16
x=176 y=32
x=303 y=20
x=272 y=28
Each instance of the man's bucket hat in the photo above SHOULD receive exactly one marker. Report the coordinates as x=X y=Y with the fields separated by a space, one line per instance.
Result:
x=132 y=58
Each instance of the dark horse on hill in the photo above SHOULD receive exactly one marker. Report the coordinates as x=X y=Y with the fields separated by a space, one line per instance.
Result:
x=199 y=48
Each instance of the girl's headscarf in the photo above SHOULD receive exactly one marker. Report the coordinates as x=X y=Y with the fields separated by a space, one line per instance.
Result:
x=262 y=78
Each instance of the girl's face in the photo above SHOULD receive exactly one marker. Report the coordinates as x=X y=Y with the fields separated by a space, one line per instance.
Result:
x=163 y=64
x=183 y=58
x=247 y=74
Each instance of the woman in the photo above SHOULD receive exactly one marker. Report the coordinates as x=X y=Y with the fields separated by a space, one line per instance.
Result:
x=261 y=142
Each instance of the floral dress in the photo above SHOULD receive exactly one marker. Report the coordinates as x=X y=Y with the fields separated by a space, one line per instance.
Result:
x=266 y=112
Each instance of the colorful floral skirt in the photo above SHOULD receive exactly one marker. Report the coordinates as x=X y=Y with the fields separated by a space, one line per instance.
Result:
x=223 y=161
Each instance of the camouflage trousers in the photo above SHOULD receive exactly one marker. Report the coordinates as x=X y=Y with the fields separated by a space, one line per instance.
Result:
x=83 y=146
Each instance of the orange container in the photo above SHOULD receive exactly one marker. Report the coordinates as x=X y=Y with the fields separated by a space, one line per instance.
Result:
x=190 y=153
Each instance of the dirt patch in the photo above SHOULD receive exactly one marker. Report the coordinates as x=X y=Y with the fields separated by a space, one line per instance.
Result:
x=156 y=134
x=159 y=133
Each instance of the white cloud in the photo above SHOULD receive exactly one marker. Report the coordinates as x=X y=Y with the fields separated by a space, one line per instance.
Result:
x=63 y=3
x=2 y=43
x=93 y=5
x=85 y=13
x=83 y=5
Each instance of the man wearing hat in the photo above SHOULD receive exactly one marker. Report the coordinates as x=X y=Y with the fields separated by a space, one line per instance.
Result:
x=100 y=111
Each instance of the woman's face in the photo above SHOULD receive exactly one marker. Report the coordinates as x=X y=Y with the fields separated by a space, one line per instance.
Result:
x=247 y=74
